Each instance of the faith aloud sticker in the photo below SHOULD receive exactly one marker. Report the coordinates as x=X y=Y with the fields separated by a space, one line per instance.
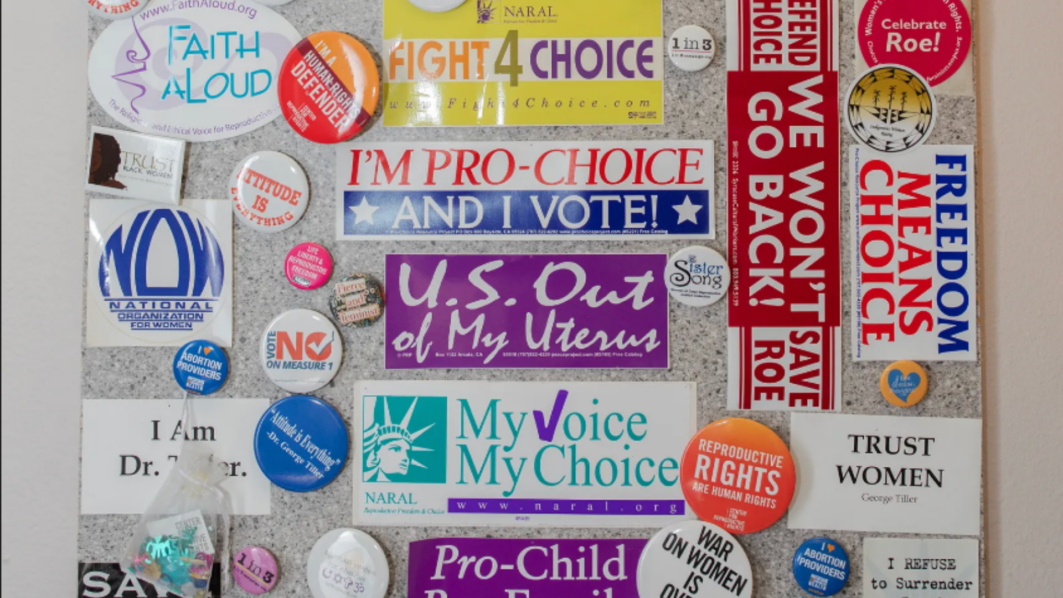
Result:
x=738 y=474
x=891 y=109
x=694 y=558
x=199 y=73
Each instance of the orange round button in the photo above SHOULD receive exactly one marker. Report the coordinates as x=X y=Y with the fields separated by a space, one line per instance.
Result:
x=329 y=87
x=903 y=383
x=738 y=474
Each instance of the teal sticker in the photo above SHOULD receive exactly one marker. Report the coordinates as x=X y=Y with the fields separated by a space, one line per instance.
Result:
x=404 y=440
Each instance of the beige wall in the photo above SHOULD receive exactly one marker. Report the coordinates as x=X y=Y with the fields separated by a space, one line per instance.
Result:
x=1021 y=127
x=1021 y=120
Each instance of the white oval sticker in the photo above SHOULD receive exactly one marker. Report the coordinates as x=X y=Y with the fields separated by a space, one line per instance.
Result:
x=201 y=74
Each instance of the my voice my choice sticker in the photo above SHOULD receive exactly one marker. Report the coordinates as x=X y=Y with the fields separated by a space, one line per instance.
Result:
x=115 y=9
x=694 y=558
x=697 y=276
x=691 y=48
x=301 y=350
x=308 y=266
x=269 y=191
x=329 y=87
x=738 y=474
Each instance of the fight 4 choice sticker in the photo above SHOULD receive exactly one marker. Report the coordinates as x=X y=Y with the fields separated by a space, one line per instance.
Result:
x=737 y=474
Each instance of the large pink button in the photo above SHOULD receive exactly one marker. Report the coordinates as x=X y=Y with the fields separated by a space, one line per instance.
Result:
x=255 y=570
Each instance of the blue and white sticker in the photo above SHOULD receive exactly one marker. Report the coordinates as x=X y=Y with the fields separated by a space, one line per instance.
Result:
x=301 y=443
x=200 y=367
x=529 y=191
x=159 y=275
x=821 y=567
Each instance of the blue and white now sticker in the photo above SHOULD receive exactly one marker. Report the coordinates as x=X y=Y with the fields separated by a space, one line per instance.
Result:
x=534 y=191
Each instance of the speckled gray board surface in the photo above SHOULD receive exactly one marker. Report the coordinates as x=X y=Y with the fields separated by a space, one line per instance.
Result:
x=695 y=108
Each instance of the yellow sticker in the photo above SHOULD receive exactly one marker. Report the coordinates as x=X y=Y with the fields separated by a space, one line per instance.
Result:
x=903 y=383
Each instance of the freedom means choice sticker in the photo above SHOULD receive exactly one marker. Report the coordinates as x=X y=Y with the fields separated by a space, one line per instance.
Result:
x=301 y=350
x=891 y=109
x=255 y=570
x=931 y=38
x=308 y=266
x=738 y=474
x=358 y=300
x=903 y=383
x=697 y=276
x=347 y=563
x=329 y=87
x=691 y=48
x=821 y=567
x=200 y=367
x=115 y=9
x=269 y=191
x=694 y=558
x=301 y=443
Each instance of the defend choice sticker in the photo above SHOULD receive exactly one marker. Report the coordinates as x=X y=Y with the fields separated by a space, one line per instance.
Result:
x=269 y=191
x=933 y=37
x=697 y=276
x=329 y=87
x=737 y=473
x=821 y=567
x=913 y=568
x=301 y=350
x=694 y=558
x=891 y=109
x=200 y=73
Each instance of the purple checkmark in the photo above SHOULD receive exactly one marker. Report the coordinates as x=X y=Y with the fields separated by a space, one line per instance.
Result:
x=547 y=428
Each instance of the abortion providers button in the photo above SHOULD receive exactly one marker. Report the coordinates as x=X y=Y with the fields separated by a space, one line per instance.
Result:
x=697 y=559
x=301 y=443
x=821 y=567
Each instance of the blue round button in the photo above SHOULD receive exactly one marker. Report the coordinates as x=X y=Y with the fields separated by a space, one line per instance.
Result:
x=200 y=367
x=821 y=567
x=301 y=443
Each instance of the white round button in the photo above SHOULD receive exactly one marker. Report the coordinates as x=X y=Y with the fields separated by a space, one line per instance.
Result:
x=347 y=563
x=697 y=276
x=269 y=191
x=115 y=9
x=694 y=558
x=691 y=48
x=301 y=350
x=437 y=5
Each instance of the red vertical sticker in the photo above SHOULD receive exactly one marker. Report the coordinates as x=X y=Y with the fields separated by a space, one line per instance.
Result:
x=784 y=206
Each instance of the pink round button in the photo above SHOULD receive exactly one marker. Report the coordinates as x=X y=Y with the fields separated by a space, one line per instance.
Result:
x=255 y=570
x=308 y=266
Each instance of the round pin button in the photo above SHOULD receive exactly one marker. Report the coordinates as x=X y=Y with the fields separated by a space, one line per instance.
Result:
x=255 y=570
x=308 y=266
x=738 y=474
x=697 y=276
x=200 y=367
x=437 y=5
x=691 y=48
x=903 y=383
x=357 y=300
x=269 y=191
x=301 y=443
x=301 y=350
x=891 y=109
x=694 y=558
x=821 y=567
x=328 y=87
x=115 y=9
x=347 y=563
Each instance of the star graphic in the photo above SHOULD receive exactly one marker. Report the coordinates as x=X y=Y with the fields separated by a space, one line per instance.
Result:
x=363 y=212
x=688 y=212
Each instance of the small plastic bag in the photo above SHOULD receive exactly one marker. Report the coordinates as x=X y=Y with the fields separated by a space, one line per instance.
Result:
x=186 y=528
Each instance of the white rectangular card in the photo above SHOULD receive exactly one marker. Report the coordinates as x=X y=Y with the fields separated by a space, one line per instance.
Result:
x=134 y=165
x=129 y=446
x=916 y=568
x=887 y=473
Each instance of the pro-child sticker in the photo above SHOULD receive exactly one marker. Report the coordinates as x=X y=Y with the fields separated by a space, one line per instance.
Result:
x=576 y=454
x=301 y=350
x=694 y=558
x=538 y=190
x=159 y=276
x=199 y=73
x=738 y=474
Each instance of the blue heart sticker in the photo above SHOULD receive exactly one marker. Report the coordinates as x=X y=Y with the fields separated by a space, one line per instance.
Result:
x=902 y=385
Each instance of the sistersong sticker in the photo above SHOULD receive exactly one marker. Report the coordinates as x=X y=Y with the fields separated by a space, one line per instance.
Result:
x=577 y=454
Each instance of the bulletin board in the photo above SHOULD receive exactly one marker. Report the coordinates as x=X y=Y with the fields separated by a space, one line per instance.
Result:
x=694 y=109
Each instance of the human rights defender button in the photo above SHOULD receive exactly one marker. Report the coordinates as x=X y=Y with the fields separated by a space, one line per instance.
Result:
x=738 y=474
x=329 y=87
x=301 y=443
x=269 y=191
x=200 y=367
x=821 y=567
x=694 y=559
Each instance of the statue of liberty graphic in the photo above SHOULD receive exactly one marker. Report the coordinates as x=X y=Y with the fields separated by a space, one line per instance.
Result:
x=389 y=448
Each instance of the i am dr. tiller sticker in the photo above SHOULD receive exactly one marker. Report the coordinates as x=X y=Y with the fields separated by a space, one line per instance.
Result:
x=694 y=558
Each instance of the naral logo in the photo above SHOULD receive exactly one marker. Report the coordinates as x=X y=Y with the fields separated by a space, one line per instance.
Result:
x=161 y=270
x=404 y=440
x=485 y=11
